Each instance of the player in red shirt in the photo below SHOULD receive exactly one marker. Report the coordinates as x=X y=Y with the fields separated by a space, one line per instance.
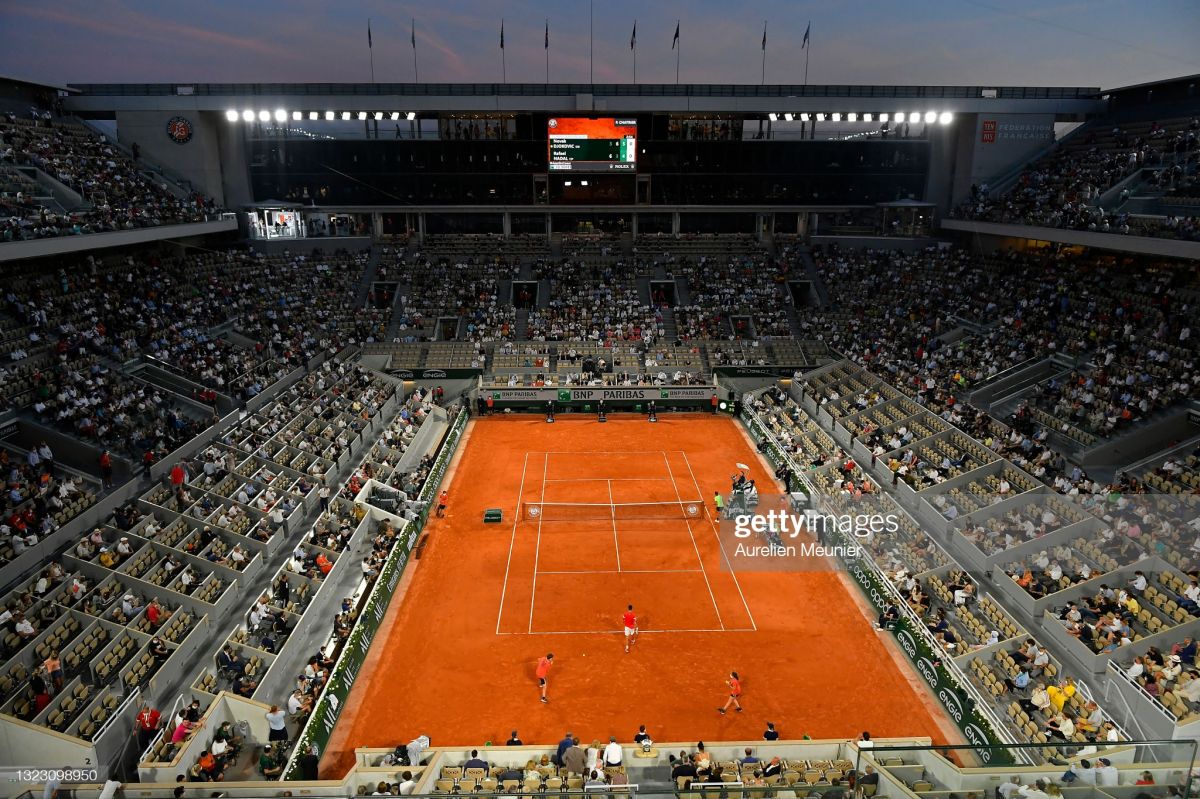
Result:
x=631 y=628
x=735 y=691
x=443 y=499
x=543 y=671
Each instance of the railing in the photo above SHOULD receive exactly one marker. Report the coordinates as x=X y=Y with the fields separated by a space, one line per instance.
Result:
x=1159 y=706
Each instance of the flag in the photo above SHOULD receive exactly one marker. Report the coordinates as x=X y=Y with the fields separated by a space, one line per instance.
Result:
x=675 y=40
x=807 y=31
x=764 y=44
x=501 y=34
x=633 y=37
x=414 y=33
x=547 y=34
x=368 y=34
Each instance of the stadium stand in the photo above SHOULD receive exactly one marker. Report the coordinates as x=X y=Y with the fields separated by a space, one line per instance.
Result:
x=115 y=192
x=1063 y=189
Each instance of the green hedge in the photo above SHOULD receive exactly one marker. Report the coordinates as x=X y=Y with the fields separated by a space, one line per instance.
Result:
x=319 y=727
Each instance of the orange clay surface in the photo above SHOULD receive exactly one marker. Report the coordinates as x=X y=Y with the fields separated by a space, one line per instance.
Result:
x=456 y=654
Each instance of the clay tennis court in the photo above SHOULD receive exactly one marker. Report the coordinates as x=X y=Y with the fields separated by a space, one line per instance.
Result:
x=456 y=654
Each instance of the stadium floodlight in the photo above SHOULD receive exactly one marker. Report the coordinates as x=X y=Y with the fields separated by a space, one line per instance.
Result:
x=804 y=117
x=232 y=115
x=583 y=183
x=773 y=116
x=883 y=117
x=866 y=118
x=788 y=117
x=313 y=115
x=297 y=115
x=362 y=115
x=395 y=115
x=836 y=117
x=899 y=117
x=946 y=118
x=247 y=115
x=264 y=115
x=378 y=115
x=411 y=115
x=280 y=115
x=345 y=116
x=820 y=117
x=852 y=117
x=930 y=117
x=329 y=116
x=566 y=183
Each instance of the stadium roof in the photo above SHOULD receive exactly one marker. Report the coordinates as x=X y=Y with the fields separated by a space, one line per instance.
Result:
x=595 y=89
x=561 y=98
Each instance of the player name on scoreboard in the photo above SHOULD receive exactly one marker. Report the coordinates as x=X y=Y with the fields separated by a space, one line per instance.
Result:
x=631 y=394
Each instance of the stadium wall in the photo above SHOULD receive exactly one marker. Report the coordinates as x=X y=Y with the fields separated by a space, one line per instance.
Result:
x=198 y=159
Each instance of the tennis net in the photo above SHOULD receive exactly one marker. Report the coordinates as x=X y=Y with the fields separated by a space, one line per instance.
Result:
x=586 y=511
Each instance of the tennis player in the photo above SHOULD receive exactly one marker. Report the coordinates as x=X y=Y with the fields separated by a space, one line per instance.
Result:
x=735 y=691
x=631 y=627
x=543 y=672
x=443 y=499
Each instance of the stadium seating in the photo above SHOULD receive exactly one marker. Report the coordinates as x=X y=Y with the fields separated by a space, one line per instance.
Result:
x=117 y=193
x=1062 y=189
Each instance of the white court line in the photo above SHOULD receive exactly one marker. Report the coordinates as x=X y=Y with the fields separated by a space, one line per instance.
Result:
x=538 y=546
x=600 y=479
x=511 y=541
x=724 y=557
x=641 y=632
x=613 y=510
x=695 y=548
x=628 y=571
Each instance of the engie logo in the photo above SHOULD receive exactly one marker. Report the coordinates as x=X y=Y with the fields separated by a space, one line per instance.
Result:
x=952 y=703
x=904 y=637
x=928 y=671
x=978 y=738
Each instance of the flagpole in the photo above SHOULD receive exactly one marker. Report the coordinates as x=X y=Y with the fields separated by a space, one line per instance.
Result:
x=591 y=43
x=371 y=49
x=633 y=47
x=503 y=61
x=416 y=75
x=547 y=51
x=807 y=49
x=678 y=51
x=764 y=57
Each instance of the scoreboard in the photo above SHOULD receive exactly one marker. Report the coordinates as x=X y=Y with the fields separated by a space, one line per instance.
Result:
x=587 y=144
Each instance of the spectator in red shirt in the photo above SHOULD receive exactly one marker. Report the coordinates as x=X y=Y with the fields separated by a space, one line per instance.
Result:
x=148 y=719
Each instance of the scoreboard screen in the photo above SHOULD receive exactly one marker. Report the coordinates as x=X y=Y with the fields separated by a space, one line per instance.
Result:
x=583 y=144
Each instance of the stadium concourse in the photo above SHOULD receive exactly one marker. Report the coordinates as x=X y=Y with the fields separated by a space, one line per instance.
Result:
x=314 y=501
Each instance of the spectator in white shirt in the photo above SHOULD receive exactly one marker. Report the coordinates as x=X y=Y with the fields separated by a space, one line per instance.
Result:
x=612 y=752
x=1106 y=773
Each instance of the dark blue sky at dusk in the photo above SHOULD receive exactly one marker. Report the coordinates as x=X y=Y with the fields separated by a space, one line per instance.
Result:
x=1106 y=43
